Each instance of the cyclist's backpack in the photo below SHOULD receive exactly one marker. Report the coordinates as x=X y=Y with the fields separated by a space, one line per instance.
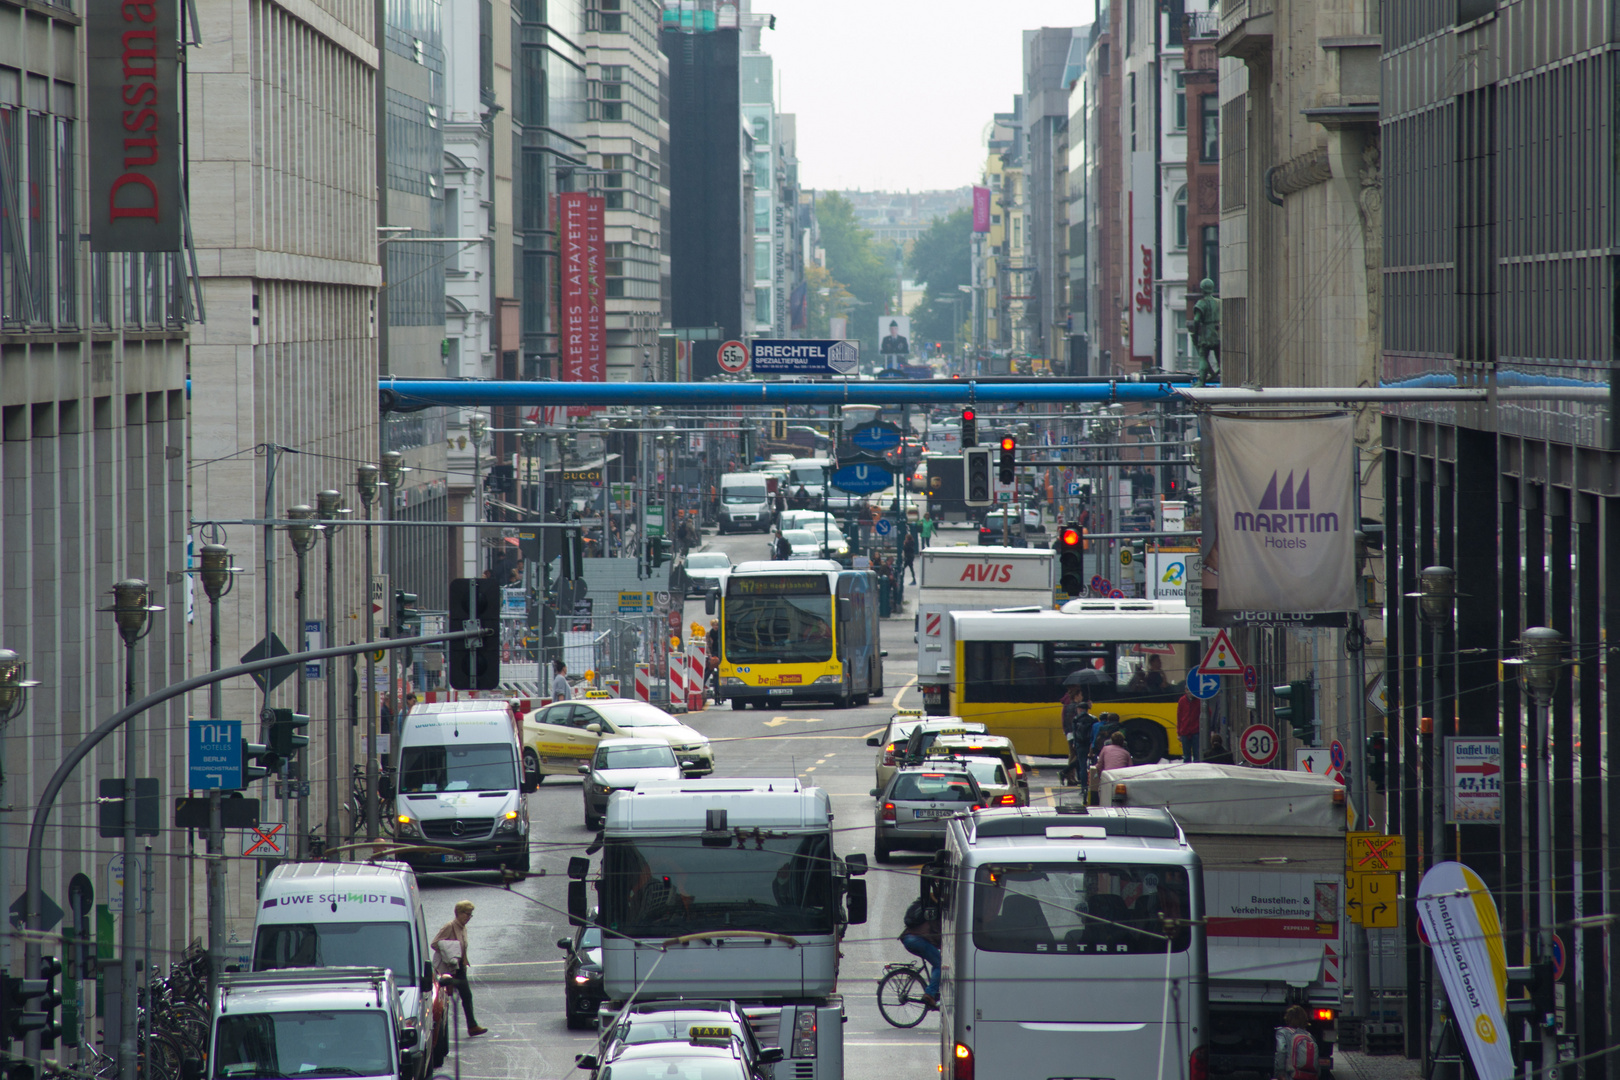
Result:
x=1302 y=1064
x=916 y=915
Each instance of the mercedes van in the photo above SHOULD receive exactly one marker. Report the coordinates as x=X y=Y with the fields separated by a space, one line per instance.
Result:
x=353 y=915
x=745 y=503
x=459 y=788
x=336 y=1022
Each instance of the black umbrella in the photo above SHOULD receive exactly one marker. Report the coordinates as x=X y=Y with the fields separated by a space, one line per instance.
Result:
x=1088 y=676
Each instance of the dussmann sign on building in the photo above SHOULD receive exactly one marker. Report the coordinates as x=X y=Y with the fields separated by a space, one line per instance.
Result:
x=134 y=132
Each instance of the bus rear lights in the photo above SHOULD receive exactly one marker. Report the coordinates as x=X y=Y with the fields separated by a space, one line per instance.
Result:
x=963 y=1065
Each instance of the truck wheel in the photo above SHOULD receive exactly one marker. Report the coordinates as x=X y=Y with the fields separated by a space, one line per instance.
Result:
x=1146 y=740
x=531 y=766
x=737 y=704
x=862 y=700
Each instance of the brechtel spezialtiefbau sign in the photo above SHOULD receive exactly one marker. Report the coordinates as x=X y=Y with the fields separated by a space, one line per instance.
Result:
x=134 y=115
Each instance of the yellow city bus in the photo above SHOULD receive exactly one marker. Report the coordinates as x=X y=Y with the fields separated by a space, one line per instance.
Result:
x=796 y=630
x=1131 y=656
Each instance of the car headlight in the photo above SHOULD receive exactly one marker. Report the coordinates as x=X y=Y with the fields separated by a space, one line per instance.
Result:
x=601 y=789
x=508 y=823
x=829 y=679
x=732 y=680
x=405 y=825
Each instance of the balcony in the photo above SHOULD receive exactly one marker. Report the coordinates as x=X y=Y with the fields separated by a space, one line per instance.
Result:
x=1246 y=29
x=1201 y=26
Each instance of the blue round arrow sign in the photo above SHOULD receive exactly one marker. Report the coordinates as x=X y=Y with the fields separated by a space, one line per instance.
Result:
x=1203 y=687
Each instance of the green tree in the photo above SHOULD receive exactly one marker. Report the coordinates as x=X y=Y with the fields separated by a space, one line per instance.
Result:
x=941 y=258
x=853 y=260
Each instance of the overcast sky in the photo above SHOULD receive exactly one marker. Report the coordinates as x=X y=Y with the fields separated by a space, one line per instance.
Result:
x=895 y=94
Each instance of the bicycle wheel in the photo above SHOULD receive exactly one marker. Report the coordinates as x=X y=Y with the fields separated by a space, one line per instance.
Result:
x=900 y=997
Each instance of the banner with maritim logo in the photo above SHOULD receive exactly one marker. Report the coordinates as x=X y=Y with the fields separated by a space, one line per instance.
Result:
x=1459 y=917
x=1287 y=514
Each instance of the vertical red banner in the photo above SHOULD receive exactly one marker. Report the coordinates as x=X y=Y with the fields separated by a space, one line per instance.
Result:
x=582 y=297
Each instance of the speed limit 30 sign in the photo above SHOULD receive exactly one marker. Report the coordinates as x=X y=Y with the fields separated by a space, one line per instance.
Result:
x=1258 y=745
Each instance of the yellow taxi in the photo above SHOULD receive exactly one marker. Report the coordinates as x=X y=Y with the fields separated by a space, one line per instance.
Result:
x=562 y=736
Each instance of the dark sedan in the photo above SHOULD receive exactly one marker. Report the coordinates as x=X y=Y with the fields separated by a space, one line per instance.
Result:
x=582 y=977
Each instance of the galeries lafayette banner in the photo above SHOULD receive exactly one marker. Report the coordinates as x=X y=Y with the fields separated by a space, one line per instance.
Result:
x=1287 y=514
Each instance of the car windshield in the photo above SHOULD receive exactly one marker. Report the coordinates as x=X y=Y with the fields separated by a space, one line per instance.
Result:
x=799 y=536
x=783 y=618
x=708 y=560
x=264 y=1046
x=635 y=757
x=640 y=715
x=668 y=886
x=334 y=944
x=474 y=767
x=671 y=1026
x=986 y=771
x=591 y=938
x=808 y=474
x=677 y=1066
x=1139 y=908
x=932 y=787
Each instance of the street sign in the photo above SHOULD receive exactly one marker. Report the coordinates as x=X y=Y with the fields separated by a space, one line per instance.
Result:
x=235 y=812
x=1373 y=901
x=115 y=882
x=674 y=621
x=1116 y=594
x=1336 y=754
x=772 y=356
x=1258 y=744
x=1317 y=762
x=379 y=596
x=49 y=913
x=1558 y=957
x=875 y=438
x=1222 y=658
x=732 y=357
x=313 y=637
x=862 y=479
x=1203 y=687
x=1251 y=678
x=1474 y=790
x=266 y=649
x=1125 y=556
x=1378 y=696
x=632 y=603
x=1369 y=852
x=214 y=755
x=884 y=527
x=267 y=840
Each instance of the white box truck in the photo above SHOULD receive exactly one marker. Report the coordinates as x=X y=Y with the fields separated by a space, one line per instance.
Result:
x=1273 y=848
x=971 y=579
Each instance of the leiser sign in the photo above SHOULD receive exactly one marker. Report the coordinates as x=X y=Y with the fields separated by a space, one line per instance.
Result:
x=134 y=129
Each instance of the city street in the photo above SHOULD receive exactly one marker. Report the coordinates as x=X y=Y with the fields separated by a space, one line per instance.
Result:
x=517 y=969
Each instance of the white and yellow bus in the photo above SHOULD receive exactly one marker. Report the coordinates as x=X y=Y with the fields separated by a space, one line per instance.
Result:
x=1132 y=657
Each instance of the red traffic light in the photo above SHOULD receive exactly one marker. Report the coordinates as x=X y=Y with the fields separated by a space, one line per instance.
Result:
x=968 y=415
x=1071 y=537
x=1008 y=444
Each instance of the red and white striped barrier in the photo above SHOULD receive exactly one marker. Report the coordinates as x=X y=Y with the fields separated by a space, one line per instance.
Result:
x=644 y=682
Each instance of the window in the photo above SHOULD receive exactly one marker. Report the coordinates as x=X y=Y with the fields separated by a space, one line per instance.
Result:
x=1211 y=243
x=612 y=110
x=1178 y=219
x=1130 y=82
x=762 y=260
x=1084 y=908
x=762 y=213
x=762 y=304
x=1209 y=116
x=1182 y=338
x=1178 y=106
x=613 y=200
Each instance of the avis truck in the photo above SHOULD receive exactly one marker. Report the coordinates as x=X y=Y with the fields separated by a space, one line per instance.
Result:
x=1272 y=844
x=729 y=890
x=971 y=579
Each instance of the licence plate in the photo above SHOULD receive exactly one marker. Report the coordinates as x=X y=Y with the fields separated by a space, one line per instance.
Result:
x=452 y=858
x=932 y=813
x=783 y=690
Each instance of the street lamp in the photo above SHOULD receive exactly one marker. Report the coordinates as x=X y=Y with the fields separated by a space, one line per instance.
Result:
x=1540 y=671
x=366 y=480
x=14 y=684
x=132 y=613
x=218 y=577
x=1436 y=596
x=393 y=475
x=303 y=534
x=329 y=505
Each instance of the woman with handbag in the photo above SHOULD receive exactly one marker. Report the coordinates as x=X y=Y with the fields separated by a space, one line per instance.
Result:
x=450 y=958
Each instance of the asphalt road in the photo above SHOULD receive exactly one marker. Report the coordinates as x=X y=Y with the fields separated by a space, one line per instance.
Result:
x=517 y=967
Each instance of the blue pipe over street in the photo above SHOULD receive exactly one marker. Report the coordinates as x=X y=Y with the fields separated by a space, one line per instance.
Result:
x=409 y=394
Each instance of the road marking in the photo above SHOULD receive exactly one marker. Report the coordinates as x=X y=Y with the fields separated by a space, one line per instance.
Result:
x=778 y=721
x=829 y=755
x=821 y=761
x=895 y=704
x=811 y=769
x=782 y=738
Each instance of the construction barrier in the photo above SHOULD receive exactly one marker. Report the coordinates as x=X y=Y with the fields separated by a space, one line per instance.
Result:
x=644 y=682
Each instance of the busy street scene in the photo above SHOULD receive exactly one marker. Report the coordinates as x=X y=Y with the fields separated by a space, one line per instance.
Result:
x=808 y=540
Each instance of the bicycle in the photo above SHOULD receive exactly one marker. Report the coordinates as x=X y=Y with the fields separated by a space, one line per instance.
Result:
x=358 y=801
x=900 y=994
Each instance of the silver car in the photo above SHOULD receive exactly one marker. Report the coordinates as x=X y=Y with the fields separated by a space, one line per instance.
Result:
x=620 y=764
x=912 y=810
x=704 y=569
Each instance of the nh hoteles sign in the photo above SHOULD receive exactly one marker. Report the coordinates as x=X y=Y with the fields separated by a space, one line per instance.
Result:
x=134 y=118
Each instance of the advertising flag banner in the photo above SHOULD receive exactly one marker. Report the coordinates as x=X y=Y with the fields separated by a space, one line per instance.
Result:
x=584 y=330
x=134 y=111
x=1459 y=917
x=1285 y=537
x=981 y=209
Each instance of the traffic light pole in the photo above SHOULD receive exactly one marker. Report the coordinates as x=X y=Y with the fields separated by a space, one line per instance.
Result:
x=33 y=894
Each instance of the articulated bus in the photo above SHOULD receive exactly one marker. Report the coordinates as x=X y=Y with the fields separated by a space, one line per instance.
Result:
x=796 y=630
x=1130 y=656
x=1074 y=946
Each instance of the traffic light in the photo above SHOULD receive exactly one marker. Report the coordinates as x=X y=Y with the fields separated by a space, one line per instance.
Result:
x=658 y=551
x=475 y=663
x=15 y=994
x=1535 y=981
x=1375 y=760
x=258 y=762
x=1298 y=707
x=50 y=999
x=778 y=425
x=1009 y=459
x=970 y=428
x=1071 y=565
x=976 y=479
x=406 y=617
x=286 y=728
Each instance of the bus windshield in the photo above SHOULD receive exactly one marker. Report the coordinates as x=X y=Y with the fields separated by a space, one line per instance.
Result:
x=778 y=618
x=672 y=885
x=1086 y=908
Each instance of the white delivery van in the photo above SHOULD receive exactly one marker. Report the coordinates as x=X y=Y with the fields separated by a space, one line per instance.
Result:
x=340 y=1022
x=745 y=503
x=354 y=915
x=459 y=788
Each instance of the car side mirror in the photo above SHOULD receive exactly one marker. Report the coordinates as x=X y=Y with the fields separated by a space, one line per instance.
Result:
x=873 y=793
x=771 y=1056
x=855 y=895
x=407 y=1038
x=565 y=943
x=594 y=729
x=385 y=786
x=425 y=983
x=709 y=601
x=855 y=863
x=584 y=1061
x=584 y=770
x=883 y=652
x=874 y=741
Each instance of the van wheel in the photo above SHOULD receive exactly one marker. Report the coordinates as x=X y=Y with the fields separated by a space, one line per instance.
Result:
x=441 y=1045
x=862 y=700
x=592 y=822
x=738 y=704
x=881 y=852
x=531 y=766
x=1146 y=740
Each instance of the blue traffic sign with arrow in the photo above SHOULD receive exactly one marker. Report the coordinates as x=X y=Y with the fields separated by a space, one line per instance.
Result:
x=1203 y=687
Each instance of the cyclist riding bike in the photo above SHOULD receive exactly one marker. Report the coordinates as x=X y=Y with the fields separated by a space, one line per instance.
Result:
x=923 y=934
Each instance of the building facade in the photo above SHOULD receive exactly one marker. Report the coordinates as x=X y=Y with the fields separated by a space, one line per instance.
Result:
x=1053 y=58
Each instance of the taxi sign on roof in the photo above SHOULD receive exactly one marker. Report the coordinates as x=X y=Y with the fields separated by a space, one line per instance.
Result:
x=714 y=1031
x=908 y=712
x=597 y=694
